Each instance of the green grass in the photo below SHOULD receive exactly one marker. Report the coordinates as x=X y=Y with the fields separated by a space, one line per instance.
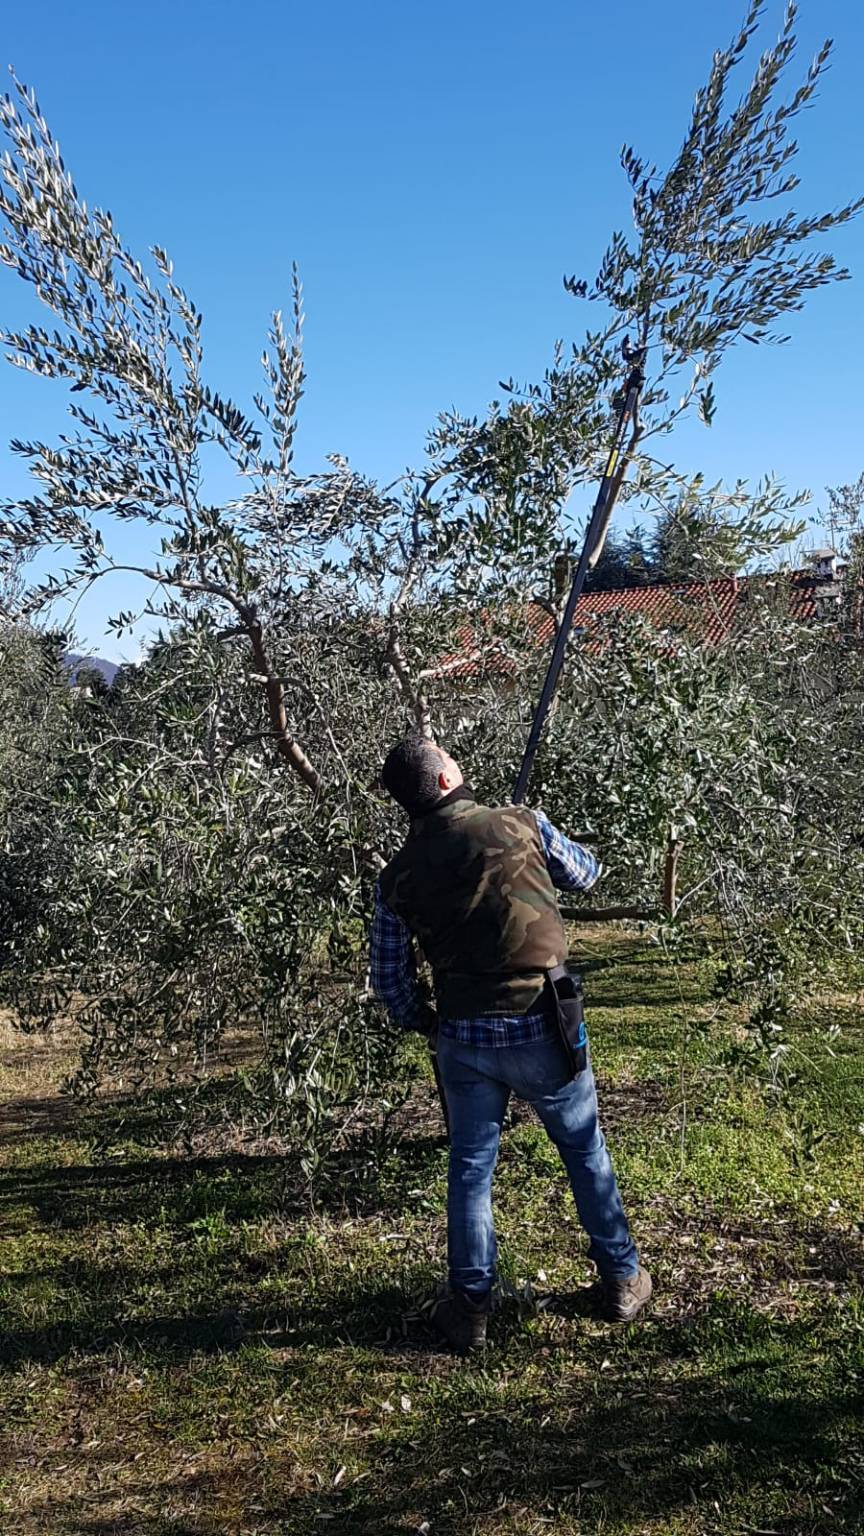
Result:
x=187 y=1350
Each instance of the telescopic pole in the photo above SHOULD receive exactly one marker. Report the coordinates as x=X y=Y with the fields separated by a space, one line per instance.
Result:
x=595 y=538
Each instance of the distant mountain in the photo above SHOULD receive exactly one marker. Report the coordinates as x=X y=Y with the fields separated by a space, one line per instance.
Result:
x=76 y=664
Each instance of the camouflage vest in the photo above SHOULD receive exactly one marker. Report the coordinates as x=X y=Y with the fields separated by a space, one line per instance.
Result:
x=472 y=885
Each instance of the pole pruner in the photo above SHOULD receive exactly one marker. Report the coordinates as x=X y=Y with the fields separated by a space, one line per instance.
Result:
x=595 y=538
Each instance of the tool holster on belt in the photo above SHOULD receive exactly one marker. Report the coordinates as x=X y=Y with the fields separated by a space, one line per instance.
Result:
x=566 y=1005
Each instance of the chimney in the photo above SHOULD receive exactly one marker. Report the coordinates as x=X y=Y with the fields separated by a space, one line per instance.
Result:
x=826 y=578
x=824 y=564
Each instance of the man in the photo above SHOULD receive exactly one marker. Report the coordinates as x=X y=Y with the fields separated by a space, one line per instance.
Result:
x=475 y=887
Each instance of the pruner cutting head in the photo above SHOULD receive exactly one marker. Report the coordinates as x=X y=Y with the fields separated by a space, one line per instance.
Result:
x=633 y=355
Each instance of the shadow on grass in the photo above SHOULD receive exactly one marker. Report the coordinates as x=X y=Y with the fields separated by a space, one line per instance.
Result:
x=692 y=1458
x=366 y=1177
x=343 y=1308
x=758 y=1441
x=363 y=1178
x=365 y=1318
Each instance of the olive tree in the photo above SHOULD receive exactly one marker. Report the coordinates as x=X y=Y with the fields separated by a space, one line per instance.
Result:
x=306 y=616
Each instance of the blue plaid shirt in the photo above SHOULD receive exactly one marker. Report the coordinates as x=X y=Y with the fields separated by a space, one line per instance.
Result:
x=393 y=964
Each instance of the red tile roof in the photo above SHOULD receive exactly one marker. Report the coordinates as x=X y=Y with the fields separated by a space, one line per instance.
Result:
x=707 y=608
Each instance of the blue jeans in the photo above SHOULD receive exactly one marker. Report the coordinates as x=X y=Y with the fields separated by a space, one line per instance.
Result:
x=478 y=1081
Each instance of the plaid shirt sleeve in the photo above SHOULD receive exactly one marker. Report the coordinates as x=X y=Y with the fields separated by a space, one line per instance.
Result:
x=393 y=965
x=571 y=866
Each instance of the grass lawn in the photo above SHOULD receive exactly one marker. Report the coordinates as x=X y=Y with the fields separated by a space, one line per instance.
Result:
x=186 y=1350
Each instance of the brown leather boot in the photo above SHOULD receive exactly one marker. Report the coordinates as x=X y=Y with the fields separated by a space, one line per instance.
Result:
x=624 y=1297
x=461 y=1321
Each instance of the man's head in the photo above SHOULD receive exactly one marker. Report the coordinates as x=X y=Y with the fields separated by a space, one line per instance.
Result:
x=418 y=774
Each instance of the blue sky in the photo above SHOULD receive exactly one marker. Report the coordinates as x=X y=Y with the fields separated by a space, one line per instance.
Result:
x=434 y=170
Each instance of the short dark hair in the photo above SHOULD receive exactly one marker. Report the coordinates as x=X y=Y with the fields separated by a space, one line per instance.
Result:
x=410 y=774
